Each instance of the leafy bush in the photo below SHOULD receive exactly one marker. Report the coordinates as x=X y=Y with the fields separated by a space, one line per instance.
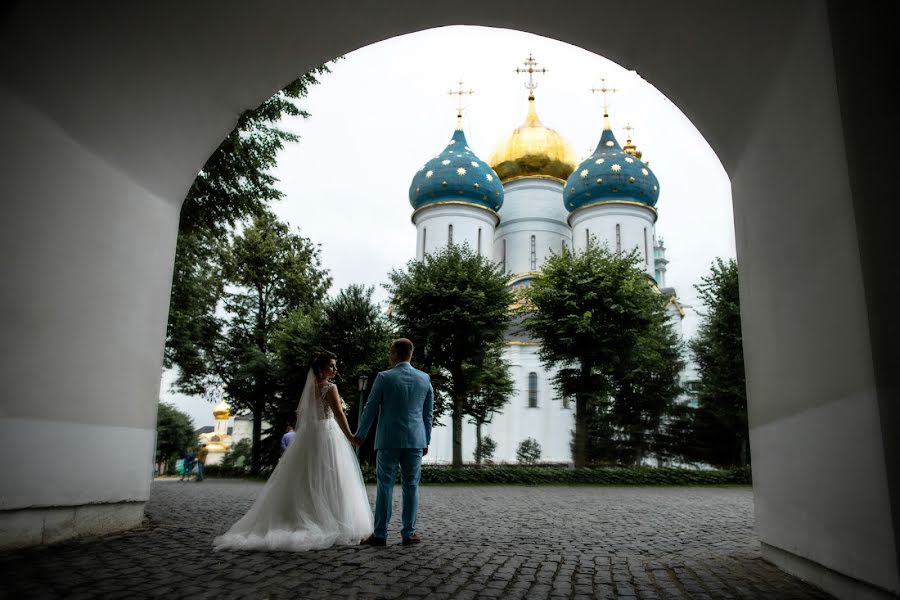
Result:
x=529 y=452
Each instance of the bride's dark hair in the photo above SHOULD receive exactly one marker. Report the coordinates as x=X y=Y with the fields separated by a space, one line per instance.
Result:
x=321 y=360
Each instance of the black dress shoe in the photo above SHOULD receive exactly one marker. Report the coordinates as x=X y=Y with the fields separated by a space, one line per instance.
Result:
x=373 y=541
x=413 y=539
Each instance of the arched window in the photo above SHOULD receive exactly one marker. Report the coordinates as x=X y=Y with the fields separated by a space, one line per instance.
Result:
x=618 y=238
x=532 y=390
x=533 y=253
x=479 y=241
x=450 y=234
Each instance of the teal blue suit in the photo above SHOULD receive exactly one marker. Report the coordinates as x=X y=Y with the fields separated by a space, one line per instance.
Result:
x=403 y=399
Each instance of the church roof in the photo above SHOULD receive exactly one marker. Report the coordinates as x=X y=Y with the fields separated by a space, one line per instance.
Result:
x=610 y=174
x=456 y=174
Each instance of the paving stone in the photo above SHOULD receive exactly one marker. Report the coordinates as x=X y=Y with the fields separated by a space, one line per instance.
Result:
x=491 y=542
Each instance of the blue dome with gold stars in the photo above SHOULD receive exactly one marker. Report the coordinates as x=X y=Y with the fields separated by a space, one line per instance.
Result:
x=611 y=174
x=456 y=174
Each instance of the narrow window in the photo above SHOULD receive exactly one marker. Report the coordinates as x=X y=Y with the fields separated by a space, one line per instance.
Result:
x=587 y=237
x=565 y=402
x=450 y=234
x=646 y=249
x=479 y=241
x=532 y=390
x=533 y=253
x=562 y=246
x=618 y=238
x=503 y=257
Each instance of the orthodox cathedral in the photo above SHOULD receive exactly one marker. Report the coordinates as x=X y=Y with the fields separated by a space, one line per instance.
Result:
x=533 y=198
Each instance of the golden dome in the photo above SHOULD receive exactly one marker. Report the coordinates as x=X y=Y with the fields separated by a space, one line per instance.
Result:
x=534 y=150
x=222 y=410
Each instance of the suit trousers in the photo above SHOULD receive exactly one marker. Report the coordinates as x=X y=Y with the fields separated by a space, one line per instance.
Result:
x=386 y=462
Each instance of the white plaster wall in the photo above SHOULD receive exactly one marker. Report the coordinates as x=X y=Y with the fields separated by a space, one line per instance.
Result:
x=87 y=268
x=433 y=226
x=819 y=472
x=636 y=224
x=531 y=206
x=550 y=424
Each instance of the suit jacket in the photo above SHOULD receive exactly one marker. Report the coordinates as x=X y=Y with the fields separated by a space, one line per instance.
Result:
x=403 y=399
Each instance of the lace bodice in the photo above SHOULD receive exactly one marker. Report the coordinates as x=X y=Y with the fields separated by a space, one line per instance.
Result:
x=326 y=409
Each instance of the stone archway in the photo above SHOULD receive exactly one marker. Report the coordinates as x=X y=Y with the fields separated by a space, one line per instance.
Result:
x=109 y=111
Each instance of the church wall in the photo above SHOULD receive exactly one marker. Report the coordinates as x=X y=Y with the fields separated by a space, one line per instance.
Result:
x=433 y=228
x=636 y=229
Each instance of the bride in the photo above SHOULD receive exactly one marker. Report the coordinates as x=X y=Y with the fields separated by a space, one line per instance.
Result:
x=315 y=497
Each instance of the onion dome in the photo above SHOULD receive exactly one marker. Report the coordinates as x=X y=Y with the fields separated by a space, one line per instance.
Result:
x=533 y=150
x=611 y=173
x=456 y=175
x=222 y=410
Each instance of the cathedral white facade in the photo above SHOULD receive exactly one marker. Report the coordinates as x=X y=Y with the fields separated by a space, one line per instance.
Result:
x=532 y=199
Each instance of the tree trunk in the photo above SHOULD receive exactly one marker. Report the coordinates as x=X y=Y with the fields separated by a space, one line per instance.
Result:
x=478 y=443
x=581 y=418
x=457 y=431
x=581 y=427
x=256 y=450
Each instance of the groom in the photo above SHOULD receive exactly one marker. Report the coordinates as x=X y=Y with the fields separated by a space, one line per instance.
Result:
x=403 y=399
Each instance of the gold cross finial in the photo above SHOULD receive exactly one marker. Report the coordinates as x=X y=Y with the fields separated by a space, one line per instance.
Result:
x=460 y=92
x=604 y=90
x=530 y=65
x=629 y=129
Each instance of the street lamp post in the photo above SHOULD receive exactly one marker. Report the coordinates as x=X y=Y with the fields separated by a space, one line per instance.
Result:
x=362 y=384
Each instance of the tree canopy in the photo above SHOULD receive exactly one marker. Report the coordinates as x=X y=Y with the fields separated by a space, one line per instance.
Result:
x=454 y=306
x=603 y=326
x=174 y=433
x=720 y=430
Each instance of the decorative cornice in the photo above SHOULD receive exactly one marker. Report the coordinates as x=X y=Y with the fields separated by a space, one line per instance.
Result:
x=562 y=182
x=607 y=202
x=455 y=203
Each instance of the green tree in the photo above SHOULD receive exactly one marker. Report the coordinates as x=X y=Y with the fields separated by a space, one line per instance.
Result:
x=492 y=387
x=454 y=306
x=721 y=432
x=174 y=433
x=484 y=453
x=233 y=185
x=238 y=456
x=529 y=451
x=273 y=280
x=592 y=311
x=645 y=392
x=354 y=328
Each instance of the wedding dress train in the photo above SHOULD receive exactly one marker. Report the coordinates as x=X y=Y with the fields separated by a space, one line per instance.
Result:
x=315 y=497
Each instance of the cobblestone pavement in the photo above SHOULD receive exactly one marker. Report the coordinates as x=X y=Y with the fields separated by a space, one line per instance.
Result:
x=479 y=542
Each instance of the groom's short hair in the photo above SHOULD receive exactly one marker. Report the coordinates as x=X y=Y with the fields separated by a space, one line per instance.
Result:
x=403 y=348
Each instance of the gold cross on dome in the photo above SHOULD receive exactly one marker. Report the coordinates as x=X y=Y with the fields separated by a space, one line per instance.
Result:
x=460 y=92
x=530 y=64
x=604 y=90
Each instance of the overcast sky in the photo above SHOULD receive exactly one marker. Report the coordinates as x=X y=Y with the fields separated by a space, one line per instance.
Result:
x=384 y=111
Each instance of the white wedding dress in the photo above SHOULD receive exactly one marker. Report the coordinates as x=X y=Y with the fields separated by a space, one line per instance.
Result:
x=315 y=497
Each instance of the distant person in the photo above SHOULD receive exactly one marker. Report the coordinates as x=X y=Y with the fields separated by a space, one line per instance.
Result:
x=201 y=461
x=287 y=438
x=187 y=464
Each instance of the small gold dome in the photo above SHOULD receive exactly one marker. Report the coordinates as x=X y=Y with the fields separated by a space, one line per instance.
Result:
x=222 y=410
x=533 y=150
